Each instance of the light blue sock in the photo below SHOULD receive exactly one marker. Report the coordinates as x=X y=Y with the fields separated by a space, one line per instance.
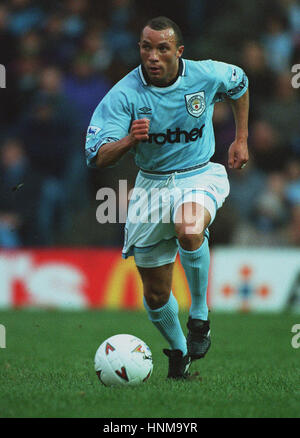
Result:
x=166 y=320
x=196 y=267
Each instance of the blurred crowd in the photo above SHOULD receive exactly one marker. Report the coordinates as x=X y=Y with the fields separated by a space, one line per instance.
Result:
x=61 y=58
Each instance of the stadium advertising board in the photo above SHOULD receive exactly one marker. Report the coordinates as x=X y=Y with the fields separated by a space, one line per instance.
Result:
x=240 y=279
x=255 y=279
x=75 y=279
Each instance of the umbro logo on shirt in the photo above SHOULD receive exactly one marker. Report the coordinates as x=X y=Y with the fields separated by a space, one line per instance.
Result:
x=145 y=110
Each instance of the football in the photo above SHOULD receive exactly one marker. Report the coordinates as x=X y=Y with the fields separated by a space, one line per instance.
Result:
x=123 y=360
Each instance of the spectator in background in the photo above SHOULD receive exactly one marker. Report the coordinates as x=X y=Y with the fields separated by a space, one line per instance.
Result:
x=267 y=215
x=282 y=110
x=20 y=191
x=84 y=88
x=27 y=79
x=30 y=44
x=96 y=50
x=58 y=48
x=25 y=16
x=294 y=228
x=296 y=62
x=74 y=22
x=268 y=153
x=7 y=40
x=27 y=67
x=261 y=77
x=224 y=128
x=270 y=213
x=52 y=140
x=8 y=44
x=292 y=191
x=49 y=126
x=292 y=196
x=245 y=187
x=278 y=43
x=121 y=33
x=292 y=9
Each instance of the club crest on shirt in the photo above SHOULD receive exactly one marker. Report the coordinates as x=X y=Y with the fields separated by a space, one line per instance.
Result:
x=195 y=103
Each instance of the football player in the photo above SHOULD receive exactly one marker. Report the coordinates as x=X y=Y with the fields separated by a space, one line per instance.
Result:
x=162 y=113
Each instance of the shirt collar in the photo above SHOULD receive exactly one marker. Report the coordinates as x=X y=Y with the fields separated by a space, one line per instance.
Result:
x=144 y=77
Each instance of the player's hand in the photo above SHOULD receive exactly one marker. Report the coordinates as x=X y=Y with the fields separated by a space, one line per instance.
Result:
x=139 y=130
x=238 y=154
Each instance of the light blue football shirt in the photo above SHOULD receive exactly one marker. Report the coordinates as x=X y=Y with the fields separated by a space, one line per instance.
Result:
x=181 y=131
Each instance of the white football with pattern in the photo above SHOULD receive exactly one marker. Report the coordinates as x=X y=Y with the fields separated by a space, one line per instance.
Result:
x=123 y=360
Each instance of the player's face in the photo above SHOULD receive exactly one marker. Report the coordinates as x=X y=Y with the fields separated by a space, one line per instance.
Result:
x=160 y=55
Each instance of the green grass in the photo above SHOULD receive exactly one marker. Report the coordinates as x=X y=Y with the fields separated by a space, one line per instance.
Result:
x=47 y=369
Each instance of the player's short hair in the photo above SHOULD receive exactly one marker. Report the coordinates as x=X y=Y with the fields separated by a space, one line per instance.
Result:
x=162 y=23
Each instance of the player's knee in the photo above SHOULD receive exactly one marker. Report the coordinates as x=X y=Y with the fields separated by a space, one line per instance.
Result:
x=156 y=296
x=190 y=241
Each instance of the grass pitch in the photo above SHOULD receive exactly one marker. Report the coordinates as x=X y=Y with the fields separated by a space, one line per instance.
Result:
x=251 y=370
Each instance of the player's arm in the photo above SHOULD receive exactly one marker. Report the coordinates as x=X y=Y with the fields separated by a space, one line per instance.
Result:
x=110 y=153
x=238 y=150
x=232 y=85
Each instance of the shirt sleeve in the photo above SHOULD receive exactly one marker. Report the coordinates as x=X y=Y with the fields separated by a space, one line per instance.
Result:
x=110 y=122
x=231 y=81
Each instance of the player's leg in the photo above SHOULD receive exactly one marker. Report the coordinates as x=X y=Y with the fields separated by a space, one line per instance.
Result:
x=157 y=283
x=162 y=309
x=191 y=222
x=161 y=305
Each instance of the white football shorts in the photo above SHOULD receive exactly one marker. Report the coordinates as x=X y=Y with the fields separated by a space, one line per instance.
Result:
x=149 y=230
